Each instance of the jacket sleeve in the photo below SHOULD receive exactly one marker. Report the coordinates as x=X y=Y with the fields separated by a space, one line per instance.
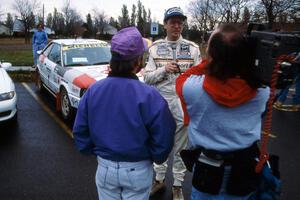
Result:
x=153 y=74
x=195 y=70
x=161 y=126
x=81 y=132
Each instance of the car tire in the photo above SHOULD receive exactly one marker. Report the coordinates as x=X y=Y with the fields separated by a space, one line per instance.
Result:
x=39 y=83
x=67 y=110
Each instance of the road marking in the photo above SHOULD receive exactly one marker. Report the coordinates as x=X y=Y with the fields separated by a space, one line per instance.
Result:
x=48 y=110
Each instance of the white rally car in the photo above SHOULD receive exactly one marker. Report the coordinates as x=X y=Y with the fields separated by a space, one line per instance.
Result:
x=8 y=95
x=67 y=67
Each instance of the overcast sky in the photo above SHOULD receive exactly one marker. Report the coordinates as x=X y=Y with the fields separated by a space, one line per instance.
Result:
x=112 y=8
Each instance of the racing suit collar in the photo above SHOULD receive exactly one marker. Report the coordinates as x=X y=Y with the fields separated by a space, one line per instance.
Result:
x=176 y=41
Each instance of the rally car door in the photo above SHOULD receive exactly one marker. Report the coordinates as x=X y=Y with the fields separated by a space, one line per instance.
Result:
x=55 y=58
x=42 y=65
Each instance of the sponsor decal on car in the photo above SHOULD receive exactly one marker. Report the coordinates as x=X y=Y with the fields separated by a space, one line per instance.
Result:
x=74 y=46
x=42 y=58
x=83 y=81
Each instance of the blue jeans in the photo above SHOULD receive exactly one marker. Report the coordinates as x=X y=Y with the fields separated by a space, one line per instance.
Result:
x=296 y=99
x=124 y=180
x=37 y=47
x=197 y=195
x=284 y=92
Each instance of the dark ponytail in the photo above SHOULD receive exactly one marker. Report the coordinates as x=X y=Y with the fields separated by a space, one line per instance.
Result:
x=232 y=55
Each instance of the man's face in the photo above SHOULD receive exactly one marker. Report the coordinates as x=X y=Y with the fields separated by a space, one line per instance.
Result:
x=174 y=27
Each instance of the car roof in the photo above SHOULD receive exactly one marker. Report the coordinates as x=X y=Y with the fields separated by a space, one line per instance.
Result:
x=78 y=41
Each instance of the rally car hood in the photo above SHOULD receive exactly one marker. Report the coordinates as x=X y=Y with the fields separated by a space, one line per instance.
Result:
x=96 y=72
x=6 y=84
x=84 y=76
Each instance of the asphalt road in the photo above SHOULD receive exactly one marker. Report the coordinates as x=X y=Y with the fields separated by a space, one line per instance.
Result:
x=38 y=159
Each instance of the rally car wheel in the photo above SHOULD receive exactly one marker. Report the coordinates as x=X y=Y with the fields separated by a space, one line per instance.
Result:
x=66 y=109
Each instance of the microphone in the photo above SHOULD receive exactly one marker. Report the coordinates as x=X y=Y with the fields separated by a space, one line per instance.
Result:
x=173 y=46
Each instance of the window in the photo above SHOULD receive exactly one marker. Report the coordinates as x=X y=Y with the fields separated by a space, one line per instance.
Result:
x=86 y=56
x=47 y=51
x=55 y=54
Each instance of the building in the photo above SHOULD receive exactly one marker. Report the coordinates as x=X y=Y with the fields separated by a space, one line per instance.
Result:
x=19 y=28
x=107 y=30
x=4 y=30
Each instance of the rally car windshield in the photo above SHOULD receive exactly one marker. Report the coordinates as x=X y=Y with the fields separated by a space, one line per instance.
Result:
x=86 y=56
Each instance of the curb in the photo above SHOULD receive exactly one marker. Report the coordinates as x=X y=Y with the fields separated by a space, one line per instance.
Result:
x=20 y=69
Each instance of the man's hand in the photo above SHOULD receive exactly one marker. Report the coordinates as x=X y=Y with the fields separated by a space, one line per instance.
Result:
x=172 y=67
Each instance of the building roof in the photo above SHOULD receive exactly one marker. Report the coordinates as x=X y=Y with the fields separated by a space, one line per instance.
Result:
x=18 y=26
x=108 y=29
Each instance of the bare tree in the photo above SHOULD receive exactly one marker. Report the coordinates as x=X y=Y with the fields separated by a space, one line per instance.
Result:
x=276 y=8
x=58 y=22
x=124 y=20
x=140 y=20
x=207 y=13
x=199 y=12
x=9 y=23
x=49 y=21
x=294 y=14
x=133 y=15
x=100 y=20
x=90 y=25
x=246 y=16
x=114 y=23
x=229 y=11
x=72 y=18
x=149 y=20
x=26 y=10
x=1 y=13
x=258 y=16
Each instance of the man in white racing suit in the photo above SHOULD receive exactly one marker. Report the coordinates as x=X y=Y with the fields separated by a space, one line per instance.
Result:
x=167 y=59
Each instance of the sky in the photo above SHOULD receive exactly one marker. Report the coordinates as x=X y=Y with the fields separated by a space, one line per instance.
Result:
x=112 y=8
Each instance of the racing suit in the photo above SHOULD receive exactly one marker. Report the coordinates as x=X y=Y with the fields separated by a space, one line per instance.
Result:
x=39 y=41
x=186 y=54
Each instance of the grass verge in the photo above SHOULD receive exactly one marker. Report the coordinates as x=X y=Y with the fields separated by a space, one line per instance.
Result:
x=22 y=76
x=17 y=57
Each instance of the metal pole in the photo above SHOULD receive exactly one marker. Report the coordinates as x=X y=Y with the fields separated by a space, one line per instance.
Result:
x=43 y=15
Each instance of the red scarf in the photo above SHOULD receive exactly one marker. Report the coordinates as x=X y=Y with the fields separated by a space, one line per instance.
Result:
x=231 y=93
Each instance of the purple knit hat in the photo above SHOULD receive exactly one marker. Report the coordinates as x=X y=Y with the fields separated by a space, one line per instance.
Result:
x=129 y=43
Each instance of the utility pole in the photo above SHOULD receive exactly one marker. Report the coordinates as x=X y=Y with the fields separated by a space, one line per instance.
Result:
x=43 y=15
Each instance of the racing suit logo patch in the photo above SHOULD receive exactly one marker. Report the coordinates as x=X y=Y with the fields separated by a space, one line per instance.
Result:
x=184 y=51
x=163 y=50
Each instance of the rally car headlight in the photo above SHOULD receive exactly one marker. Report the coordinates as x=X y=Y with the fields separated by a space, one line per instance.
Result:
x=7 y=95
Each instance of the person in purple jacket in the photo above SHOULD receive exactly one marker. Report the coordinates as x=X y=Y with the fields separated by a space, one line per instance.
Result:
x=125 y=123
